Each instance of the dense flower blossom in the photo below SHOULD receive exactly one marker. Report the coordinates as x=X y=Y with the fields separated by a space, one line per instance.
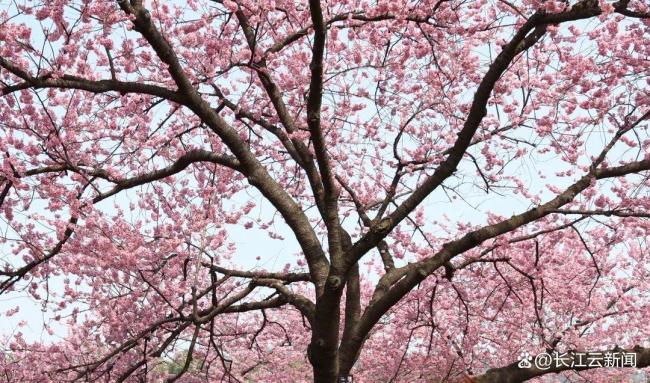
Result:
x=292 y=191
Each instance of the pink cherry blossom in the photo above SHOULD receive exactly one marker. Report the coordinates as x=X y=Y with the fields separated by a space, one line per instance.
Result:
x=287 y=191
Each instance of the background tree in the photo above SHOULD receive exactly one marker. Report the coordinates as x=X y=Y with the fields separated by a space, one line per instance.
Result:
x=464 y=181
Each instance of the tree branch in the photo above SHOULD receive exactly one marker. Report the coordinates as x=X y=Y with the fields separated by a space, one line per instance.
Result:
x=75 y=82
x=250 y=165
x=530 y=32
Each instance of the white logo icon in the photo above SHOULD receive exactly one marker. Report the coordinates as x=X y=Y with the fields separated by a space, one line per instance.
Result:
x=524 y=360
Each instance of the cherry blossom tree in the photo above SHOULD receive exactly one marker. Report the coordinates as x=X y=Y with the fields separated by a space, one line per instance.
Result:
x=459 y=184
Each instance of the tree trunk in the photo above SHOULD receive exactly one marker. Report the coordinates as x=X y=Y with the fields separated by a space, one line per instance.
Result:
x=323 y=349
x=324 y=361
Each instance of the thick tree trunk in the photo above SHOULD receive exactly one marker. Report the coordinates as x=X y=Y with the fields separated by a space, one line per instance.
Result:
x=325 y=375
x=324 y=360
x=347 y=355
x=346 y=362
x=323 y=349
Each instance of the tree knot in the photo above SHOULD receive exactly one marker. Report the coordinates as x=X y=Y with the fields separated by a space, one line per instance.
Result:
x=334 y=282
